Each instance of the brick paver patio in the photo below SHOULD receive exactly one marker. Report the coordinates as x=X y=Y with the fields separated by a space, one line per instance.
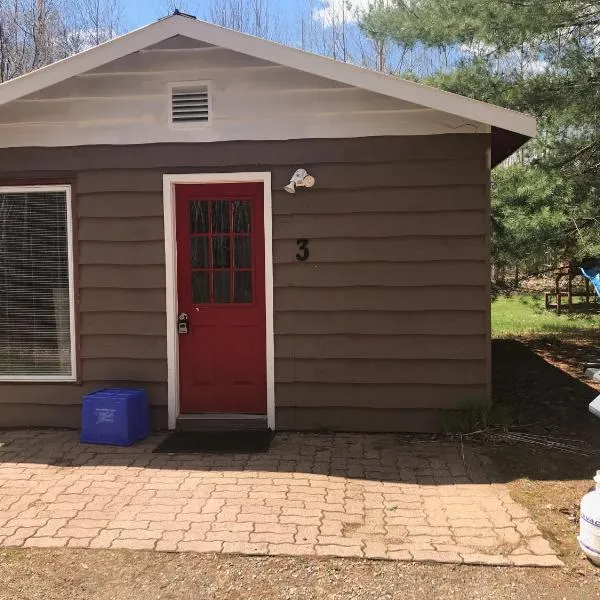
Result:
x=373 y=496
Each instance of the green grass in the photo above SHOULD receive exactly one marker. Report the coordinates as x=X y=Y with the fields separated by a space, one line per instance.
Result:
x=526 y=315
x=478 y=418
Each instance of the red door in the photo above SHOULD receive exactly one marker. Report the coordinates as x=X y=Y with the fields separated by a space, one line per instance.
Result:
x=221 y=289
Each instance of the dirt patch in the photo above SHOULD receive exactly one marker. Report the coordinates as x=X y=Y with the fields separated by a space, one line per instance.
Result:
x=541 y=380
x=123 y=575
x=568 y=352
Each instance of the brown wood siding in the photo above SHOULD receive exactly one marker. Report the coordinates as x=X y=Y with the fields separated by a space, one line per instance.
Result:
x=125 y=369
x=427 y=198
x=390 y=311
x=360 y=419
x=122 y=253
x=219 y=155
x=121 y=229
x=120 y=346
x=60 y=415
x=375 y=397
x=393 y=249
x=386 y=298
x=374 y=225
x=118 y=323
x=146 y=277
x=392 y=274
x=129 y=205
x=380 y=370
x=370 y=346
x=442 y=322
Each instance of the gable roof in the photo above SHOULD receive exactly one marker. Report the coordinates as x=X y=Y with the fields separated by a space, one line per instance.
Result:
x=510 y=129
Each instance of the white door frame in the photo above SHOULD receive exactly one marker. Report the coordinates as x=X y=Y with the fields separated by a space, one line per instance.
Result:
x=169 y=183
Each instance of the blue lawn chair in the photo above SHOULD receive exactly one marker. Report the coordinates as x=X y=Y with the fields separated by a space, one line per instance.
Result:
x=593 y=274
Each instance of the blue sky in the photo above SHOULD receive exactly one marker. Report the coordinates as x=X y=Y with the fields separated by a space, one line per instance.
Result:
x=142 y=12
x=287 y=19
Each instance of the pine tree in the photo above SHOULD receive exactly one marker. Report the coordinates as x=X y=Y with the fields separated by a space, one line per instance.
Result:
x=537 y=56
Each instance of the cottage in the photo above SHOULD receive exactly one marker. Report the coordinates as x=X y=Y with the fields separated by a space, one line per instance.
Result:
x=146 y=238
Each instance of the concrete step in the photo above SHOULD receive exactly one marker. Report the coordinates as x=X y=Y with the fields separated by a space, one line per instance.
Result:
x=216 y=422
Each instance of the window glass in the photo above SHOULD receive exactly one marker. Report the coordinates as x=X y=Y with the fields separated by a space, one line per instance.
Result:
x=220 y=252
x=220 y=216
x=241 y=216
x=221 y=287
x=199 y=216
x=200 y=252
x=242 y=286
x=200 y=287
x=35 y=310
x=242 y=255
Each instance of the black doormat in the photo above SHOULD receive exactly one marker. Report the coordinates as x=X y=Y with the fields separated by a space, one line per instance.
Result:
x=216 y=442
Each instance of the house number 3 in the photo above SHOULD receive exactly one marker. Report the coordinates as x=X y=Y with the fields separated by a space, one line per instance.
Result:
x=303 y=251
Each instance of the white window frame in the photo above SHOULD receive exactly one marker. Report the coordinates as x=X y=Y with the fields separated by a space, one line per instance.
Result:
x=179 y=85
x=24 y=189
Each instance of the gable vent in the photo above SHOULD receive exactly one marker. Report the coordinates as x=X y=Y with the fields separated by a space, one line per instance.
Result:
x=190 y=104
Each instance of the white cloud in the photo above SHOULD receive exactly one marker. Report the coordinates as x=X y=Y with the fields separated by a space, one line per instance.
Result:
x=509 y=60
x=335 y=11
x=537 y=66
x=477 y=48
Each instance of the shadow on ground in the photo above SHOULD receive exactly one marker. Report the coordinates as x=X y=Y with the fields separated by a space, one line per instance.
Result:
x=542 y=395
x=545 y=400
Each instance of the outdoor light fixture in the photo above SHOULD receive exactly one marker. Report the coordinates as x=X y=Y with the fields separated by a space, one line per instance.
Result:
x=299 y=179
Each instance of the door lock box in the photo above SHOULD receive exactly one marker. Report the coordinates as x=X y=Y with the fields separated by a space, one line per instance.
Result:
x=183 y=325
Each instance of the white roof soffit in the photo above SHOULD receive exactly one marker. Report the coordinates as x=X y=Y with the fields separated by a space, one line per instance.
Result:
x=348 y=74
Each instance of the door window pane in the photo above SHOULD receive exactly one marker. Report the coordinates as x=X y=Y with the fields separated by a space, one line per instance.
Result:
x=241 y=216
x=242 y=252
x=221 y=287
x=200 y=252
x=200 y=287
x=242 y=286
x=221 y=252
x=220 y=216
x=199 y=216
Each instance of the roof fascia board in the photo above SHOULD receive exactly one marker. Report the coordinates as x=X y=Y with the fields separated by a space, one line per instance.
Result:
x=273 y=52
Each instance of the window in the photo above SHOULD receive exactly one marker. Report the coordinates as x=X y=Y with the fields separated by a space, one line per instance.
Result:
x=190 y=104
x=36 y=284
x=221 y=244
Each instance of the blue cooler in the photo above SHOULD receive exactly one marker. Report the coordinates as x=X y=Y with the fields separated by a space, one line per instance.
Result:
x=115 y=416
